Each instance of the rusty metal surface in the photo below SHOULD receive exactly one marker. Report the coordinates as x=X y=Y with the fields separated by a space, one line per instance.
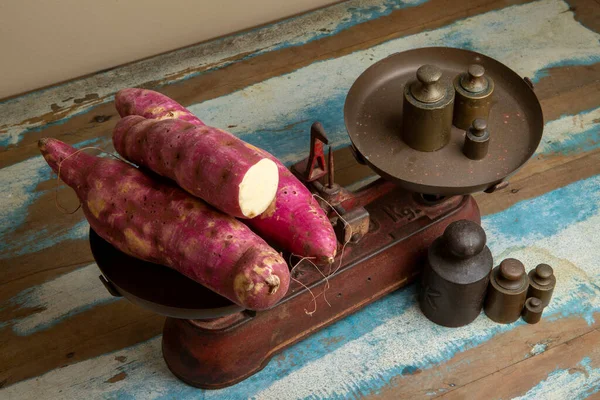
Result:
x=354 y=227
x=507 y=291
x=213 y=354
x=314 y=167
x=456 y=275
x=332 y=194
x=344 y=200
x=541 y=283
x=373 y=117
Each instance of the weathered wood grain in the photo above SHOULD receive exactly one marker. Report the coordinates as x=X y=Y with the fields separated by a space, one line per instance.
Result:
x=113 y=326
x=586 y=12
x=456 y=377
x=577 y=360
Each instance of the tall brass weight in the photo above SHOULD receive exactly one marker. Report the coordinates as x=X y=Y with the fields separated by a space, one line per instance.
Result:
x=427 y=114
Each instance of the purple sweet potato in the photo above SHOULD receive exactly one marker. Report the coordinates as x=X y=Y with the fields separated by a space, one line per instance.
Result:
x=158 y=222
x=151 y=104
x=207 y=162
x=294 y=221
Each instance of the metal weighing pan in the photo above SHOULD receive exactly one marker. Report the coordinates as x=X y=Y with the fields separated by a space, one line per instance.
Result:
x=155 y=287
x=373 y=116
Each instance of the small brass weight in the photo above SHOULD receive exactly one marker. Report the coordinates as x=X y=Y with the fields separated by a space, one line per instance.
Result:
x=473 y=100
x=477 y=140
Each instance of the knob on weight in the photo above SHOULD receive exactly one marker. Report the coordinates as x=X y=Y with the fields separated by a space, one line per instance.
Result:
x=428 y=88
x=532 y=312
x=474 y=80
x=511 y=273
x=464 y=238
x=541 y=283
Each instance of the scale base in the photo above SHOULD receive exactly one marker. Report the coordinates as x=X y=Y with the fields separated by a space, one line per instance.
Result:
x=220 y=352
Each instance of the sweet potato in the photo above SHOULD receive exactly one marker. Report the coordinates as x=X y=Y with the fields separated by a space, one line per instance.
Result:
x=207 y=162
x=158 y=222
x=295 y=221
x=151 y=104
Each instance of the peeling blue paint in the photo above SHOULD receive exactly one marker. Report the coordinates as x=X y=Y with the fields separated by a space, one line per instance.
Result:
x=538 y=348
x=319 y=90
x=6 y=140
x=19 y=183
x=21 y=192
x=291 y=142
x=55 y=300
x=561 y=209
x=358 y=16
x=352 y=328
x=44 y=239
x=23 y=298
x=574 y=306
x=545 y=215
x=568 y=62
x=583 y=134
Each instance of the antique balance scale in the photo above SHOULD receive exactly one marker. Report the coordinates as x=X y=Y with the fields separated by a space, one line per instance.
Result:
x=390 y=222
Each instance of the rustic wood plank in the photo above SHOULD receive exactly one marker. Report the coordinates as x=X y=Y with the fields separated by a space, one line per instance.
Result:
x=113 y=326
x=514 y=347
x=579 y=359
x=586 y=12
x=540 y=177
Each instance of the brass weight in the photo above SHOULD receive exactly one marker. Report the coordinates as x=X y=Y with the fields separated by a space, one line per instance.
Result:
x=532 y=312
x=541 y=283
x=477 y=140
x=507 y=292
x=427 y=113
x=473 y=100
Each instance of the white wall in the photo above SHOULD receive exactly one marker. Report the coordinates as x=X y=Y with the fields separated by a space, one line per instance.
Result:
x=47 y=41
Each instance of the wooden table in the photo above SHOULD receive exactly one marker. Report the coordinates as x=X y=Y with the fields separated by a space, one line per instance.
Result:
x=63 y=336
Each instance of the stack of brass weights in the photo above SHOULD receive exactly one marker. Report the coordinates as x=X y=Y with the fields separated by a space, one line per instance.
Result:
x=432 y=105
x=458 y=281
x=513 y=293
